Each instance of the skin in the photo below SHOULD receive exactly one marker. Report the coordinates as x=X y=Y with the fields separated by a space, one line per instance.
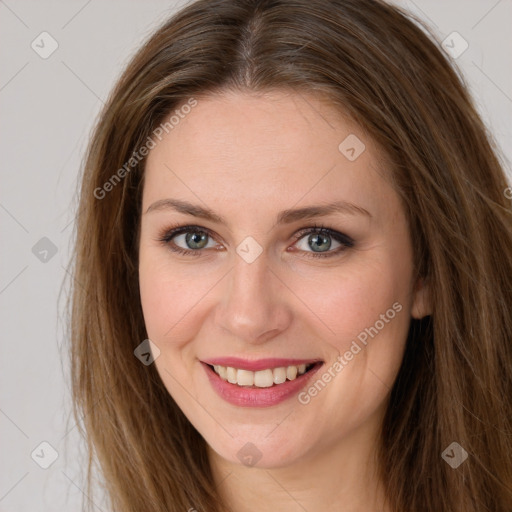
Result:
x=247 y=157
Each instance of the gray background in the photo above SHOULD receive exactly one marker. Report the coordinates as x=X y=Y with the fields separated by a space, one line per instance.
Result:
x=47 y=108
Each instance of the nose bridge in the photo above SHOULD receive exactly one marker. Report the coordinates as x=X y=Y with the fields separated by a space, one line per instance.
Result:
x=251 y=308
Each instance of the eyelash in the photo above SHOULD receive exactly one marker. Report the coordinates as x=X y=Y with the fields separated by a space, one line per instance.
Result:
x=169 y=233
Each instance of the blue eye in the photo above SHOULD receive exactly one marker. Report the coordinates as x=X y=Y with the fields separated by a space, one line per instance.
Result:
x=196 y=238
x=193 y=235
x=320 y=238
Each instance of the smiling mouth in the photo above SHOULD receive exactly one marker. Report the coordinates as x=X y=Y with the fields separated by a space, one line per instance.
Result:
x=270 y=377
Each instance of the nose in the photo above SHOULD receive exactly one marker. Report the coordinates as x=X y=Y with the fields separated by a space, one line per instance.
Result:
x=253 y=307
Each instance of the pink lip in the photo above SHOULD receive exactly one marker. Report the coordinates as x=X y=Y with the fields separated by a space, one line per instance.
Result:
x=258 y=397
x=260 y=364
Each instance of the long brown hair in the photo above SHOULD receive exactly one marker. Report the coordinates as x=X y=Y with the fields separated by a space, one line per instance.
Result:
x=376 y=63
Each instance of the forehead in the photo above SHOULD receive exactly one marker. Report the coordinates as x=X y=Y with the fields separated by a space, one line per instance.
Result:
x=256 y=150
x=244 y=122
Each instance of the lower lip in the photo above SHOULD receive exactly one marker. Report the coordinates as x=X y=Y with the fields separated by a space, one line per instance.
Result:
x=258 y=397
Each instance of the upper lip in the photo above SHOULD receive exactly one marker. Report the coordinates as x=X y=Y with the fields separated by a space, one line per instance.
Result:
x=257 y=364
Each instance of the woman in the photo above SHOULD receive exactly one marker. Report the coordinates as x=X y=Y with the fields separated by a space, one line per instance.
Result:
x=294 y=250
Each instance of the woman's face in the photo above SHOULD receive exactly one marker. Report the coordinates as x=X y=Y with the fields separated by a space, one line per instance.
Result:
x=261 y=293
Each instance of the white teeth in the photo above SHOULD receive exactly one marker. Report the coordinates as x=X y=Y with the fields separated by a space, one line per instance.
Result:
x=262 y=378
x=244 y=378
x=279 y=375
x=231 y=375
x=223 y=372
x=291 y=372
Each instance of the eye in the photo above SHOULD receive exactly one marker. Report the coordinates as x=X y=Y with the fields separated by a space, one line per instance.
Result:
x=319 y=240
x=190 y=240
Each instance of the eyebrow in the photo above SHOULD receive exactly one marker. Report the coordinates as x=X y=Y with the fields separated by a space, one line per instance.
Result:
x=284 y=217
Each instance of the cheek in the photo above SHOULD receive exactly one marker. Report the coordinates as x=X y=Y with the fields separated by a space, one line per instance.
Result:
x=156 y=296
x=354 y=298
x=171 y=305
x=366 y=309
x=165 y=297
x=174 y=297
